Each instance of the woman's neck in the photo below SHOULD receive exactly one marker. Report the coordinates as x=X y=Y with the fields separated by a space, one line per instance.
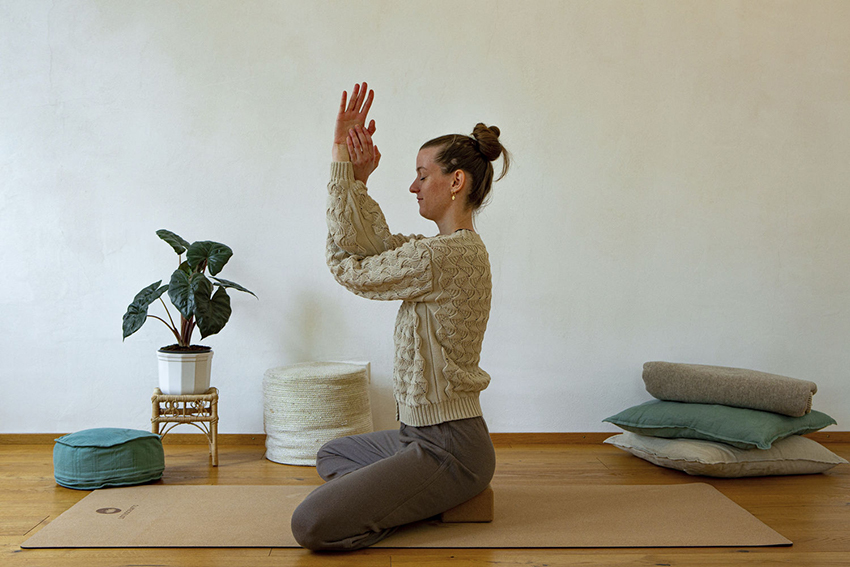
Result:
x=452 y=225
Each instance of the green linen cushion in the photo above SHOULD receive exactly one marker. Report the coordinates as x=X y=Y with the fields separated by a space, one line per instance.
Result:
x=102 y=457
x=740 y=427
x=792 y=455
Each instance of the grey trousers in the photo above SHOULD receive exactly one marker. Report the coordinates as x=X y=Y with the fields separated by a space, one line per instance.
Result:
x=379 y=481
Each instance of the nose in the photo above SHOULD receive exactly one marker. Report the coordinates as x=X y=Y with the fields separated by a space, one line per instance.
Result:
x=413 y=188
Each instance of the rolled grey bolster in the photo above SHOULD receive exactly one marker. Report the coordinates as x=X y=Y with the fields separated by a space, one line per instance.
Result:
x=737 y=387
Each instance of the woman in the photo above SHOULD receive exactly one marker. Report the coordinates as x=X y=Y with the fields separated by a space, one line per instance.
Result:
x=442 y=454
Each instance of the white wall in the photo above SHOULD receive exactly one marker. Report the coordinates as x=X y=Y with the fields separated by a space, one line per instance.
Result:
x=680 y=191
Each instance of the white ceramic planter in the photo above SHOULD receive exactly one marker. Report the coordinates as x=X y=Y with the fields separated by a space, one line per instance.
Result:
x=183 y=373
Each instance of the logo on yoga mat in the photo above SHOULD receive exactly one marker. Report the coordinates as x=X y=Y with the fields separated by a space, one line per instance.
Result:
x=108 y=510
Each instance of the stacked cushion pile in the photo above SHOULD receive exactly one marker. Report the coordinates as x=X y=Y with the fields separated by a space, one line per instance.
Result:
x=725 y=422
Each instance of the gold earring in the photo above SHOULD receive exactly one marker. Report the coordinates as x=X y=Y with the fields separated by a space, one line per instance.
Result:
x=453 y=196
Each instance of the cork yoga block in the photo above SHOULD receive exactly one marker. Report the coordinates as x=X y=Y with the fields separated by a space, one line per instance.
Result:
x=481 y=508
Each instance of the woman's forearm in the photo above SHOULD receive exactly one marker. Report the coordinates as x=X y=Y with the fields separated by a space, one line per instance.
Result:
x=340 y=152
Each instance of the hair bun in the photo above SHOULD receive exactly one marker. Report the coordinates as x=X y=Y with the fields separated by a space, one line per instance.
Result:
x=488 y=140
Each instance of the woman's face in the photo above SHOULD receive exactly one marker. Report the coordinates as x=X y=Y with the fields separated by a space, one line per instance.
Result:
x=432 y=187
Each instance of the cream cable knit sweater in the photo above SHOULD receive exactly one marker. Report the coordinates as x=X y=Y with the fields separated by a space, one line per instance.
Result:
x=444 y=285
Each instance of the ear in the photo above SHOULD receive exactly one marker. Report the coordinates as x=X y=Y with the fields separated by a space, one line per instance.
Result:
x=458 y=177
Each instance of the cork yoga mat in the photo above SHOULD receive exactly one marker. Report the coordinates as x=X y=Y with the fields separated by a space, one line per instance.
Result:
x=683 y=515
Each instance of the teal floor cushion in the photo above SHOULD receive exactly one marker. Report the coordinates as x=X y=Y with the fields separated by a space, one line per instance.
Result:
x=98 y=458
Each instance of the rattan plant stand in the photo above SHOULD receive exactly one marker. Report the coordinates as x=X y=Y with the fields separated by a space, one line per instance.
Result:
x=200 y=410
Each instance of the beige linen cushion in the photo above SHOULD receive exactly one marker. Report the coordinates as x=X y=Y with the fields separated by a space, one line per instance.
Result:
x=793 y=455
x=736 y=387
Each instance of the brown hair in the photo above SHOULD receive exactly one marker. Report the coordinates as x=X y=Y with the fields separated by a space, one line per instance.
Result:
x=472 y=154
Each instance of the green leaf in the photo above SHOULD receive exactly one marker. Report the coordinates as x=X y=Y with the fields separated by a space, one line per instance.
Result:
x=234 y=285
x=175 y=241
x=215 y=255
x=179 y=291
x=189 y=292
x=212 y=315
x=202 y=289
x=137 y=312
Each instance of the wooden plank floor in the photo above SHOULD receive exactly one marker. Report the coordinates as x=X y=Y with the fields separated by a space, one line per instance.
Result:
x=813 y=511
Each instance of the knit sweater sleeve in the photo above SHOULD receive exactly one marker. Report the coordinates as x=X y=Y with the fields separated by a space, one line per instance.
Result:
x=355 y=221
x=362 y=254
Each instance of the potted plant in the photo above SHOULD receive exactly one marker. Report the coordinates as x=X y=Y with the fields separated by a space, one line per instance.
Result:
x=184 y=368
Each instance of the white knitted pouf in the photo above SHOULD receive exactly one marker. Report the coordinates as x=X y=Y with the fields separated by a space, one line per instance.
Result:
x=306 y=405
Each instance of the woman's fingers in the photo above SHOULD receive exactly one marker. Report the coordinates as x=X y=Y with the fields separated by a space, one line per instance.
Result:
x=360 y=145
x=362 y=137
x=361 y=94
x=368 y=104
x=353 y=111
x=361 y=148
x=355 y=143
x=353 y=104
x=361 y=100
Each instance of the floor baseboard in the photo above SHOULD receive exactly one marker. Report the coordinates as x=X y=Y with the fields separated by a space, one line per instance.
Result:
x=549 y=438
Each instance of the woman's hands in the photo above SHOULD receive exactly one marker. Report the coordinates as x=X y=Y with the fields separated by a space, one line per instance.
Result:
x=352 y=114
x=363 y=154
